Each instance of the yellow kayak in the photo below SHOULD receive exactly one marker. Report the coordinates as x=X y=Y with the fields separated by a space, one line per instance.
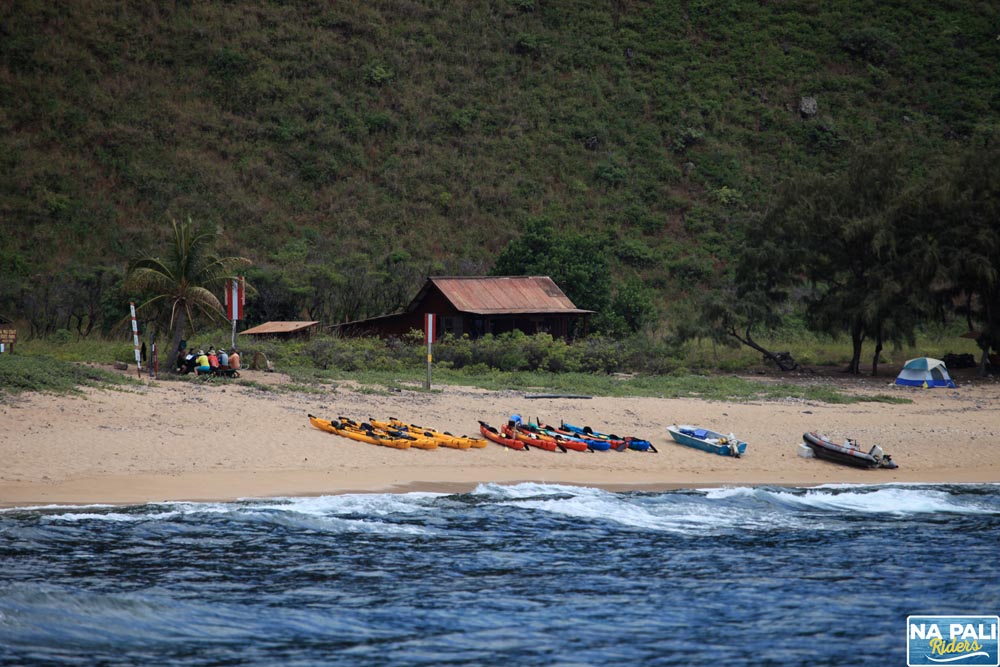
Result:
x=418 y=440
x=397 y=426
x=356 y=433
x=446 y=439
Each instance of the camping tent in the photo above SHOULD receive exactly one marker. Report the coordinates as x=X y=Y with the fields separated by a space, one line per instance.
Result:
x=925 y=372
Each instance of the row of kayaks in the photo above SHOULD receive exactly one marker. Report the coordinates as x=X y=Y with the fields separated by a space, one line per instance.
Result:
x=523 y=435
x=394 y=433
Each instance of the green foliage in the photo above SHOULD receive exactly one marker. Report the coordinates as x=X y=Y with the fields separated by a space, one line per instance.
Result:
x=955 y=222
x=20 y=373
x=180 y=284
x=869 y=43
x=437 y=127
x=378 y=74
x=577 y=262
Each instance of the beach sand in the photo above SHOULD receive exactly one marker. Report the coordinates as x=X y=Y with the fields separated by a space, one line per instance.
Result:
x=218 y=440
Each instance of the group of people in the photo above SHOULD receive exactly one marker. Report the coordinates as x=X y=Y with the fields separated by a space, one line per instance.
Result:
x=216 y=362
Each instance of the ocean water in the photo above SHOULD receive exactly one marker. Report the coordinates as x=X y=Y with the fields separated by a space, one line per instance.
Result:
x=519 y=575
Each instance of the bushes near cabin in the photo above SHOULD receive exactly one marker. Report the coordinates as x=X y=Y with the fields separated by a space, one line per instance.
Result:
x=508 y=352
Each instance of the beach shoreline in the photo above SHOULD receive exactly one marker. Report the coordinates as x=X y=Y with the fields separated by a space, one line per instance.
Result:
x=170 y=441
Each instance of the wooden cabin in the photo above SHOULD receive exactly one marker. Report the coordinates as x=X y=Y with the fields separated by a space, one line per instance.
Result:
x=282 y=330
x=480 y=305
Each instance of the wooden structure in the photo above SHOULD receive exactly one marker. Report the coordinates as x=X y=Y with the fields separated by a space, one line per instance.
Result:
x=8 y=334
x=475 y=306
x=282 y=330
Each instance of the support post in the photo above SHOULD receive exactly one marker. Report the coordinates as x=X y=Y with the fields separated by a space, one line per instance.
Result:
x=429 y=335
x=235 y=299
x=135 y=340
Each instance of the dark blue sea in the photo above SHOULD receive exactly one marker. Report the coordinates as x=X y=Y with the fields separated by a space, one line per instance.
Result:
x=503 y=576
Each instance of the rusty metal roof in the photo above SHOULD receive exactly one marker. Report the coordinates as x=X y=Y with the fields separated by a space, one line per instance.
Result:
x=503 y=294
x=278 y=327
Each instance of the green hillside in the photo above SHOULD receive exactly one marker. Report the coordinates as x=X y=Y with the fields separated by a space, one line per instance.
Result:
x=351 y=149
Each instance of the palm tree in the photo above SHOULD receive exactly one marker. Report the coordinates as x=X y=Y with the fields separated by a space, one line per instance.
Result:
x=184 y=279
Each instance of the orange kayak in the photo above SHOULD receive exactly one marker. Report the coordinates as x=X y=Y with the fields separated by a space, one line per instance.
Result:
x=493 y=435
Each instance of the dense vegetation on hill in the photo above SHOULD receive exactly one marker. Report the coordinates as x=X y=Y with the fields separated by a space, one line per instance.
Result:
x=351 y=149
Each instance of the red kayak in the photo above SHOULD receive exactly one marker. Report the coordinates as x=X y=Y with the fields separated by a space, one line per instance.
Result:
x=531 y=440
x=529 y=431
x=491 y=433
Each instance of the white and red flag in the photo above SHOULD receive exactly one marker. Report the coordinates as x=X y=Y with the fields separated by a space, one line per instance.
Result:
x=235 y=298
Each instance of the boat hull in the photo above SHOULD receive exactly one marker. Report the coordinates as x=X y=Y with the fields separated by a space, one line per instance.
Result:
x=707 y=441
x=494 y=435
x=638 y=444
x=346 y=430
x=445 y=438
x=828 y=450
x=593 y=444
x=531 y=439
x=526 y=430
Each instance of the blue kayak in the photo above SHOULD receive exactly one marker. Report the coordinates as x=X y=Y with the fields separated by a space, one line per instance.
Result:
x=631 y=442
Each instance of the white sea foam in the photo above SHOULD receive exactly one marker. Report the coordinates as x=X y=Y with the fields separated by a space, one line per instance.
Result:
x=45 y=508
x=111 y=517
x=151 y=512
x=744 y=508
x=331 y=523
x=369 y=504
x=532 y=490
x=899 y=500
x=679 y=514
x=729 y=492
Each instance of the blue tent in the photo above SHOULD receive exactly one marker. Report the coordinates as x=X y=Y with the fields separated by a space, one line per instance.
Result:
x=924 y=372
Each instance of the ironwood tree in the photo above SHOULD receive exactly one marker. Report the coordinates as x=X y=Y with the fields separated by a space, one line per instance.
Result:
x=965 y=208
x=842 y=241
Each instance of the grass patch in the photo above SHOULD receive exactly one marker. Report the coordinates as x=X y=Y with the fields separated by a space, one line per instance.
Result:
x=387 y=374
x=20 y=373
x=304 y=388
x=253 y=384
x=710 y=388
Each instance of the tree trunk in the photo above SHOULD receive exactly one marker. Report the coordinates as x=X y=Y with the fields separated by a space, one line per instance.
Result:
x=878 y=352
x=857 y=339
x=782 y=360
x=175 y=342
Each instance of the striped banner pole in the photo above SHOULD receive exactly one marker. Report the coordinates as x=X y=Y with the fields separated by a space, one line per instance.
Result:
x=429 y=331
x=135 y=339
x=235 y=300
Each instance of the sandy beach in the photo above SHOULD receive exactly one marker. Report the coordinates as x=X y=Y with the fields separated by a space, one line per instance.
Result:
x=181 y=440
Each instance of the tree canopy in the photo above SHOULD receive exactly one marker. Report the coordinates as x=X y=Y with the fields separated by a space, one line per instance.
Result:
x=868 y=255
x=182 y=282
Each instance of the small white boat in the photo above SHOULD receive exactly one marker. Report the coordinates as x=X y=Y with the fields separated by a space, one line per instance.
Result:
x=707 y=441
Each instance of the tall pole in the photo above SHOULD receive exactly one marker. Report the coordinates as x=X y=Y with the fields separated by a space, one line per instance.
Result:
x=154 y=361
x=235 y=300
x=135 y=339
x=429 y=331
